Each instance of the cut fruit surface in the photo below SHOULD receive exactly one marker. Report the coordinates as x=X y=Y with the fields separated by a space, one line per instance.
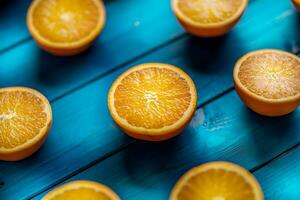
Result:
x=82 y=190
x=208 y=17
x=152 y=101
x=217 y=181
x=65 y=26
x=25 y=119
x=269 y=81
x=296 y=4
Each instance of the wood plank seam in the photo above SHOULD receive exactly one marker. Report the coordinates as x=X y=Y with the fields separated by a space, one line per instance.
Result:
x=97 y=161
x=81 y=169
x=28 y=38
x=126 y=63
x=214 y=98
x=19 y=43
x=277 y=157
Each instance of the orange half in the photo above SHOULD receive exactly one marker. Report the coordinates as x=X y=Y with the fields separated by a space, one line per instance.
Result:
x=268 y=81
x=25 y=120
x=296 y=4
x=217 y=181
x=65 y=27
x=82 y=190
x=152 y=101
x=208 y=18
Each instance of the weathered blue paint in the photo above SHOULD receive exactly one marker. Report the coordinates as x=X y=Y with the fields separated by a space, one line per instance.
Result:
x=85 y=143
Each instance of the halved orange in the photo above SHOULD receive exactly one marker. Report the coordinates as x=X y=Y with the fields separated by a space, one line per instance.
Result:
x=65 y=27
x=208 y=18
x=25 y=120
x=82 y=190
x=268 y=81
x=296 y=4
x=217 y=181
x=152 y=101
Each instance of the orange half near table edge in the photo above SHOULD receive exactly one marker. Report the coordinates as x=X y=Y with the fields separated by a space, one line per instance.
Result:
x=268 y=81
x=25 y=120
x=152 y=101
x=65 y=27
x=82 y=190
x=208 y=18
x=217 y=181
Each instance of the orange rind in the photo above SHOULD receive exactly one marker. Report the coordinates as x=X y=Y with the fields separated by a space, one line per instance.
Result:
x=208 y=18
x=217 y=181
x=82 y=190
x=152 y=101
x=65 y=27
x=268 y=81
x=25 y=120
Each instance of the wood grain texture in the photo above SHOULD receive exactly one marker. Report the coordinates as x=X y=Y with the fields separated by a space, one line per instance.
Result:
x=219 y=131
x=127 y=21
x=83 y=132
x=55 y=76
x=280 y=179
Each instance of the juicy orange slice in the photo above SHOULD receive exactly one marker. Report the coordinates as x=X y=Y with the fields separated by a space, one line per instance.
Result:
x=25 y=119
x=81 y=190
x=208 y=18
x=152 y=101
x=217 y=181
x=65 y=27
x=268 y=81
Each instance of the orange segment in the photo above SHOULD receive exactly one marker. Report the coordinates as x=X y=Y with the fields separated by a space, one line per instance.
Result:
x=269 y=81
x=81 y=190
x=208 y=18
x=65 y=26
x=152 y=101
x=217 y=181
x=25 y=119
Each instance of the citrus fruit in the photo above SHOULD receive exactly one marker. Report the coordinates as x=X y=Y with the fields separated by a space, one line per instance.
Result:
x=152 y=101
x=208 y=18
x=81 y=190
x=268 y=81
x=65 y=27
x=296 y=4
x=217 y=181
x=25 y=120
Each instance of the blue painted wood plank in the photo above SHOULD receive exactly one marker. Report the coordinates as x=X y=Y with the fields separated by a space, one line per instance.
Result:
x=86 y=131
x=13 y=23
x=208 y=61
x=56 y=76
x=89 y=141
x=280 y=179
x=219 y=131
x=124 y=19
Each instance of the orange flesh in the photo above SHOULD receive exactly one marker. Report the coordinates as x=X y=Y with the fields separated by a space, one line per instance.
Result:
x=22 y=117
x=216 y=184
x=65 y=21
x=152 y=98
x=81 y=194
x=209 y=11
x=271 y=75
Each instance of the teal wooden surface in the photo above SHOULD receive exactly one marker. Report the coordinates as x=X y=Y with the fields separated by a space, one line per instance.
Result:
x=233 y=133
x=85 y=143
x=56 y=76
x=281 y=179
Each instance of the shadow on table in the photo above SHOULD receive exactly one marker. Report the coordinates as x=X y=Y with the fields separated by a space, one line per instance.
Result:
x=209 y=55
x=281 y=132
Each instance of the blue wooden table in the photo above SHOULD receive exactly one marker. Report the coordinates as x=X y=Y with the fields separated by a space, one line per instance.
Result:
x=84 y=143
